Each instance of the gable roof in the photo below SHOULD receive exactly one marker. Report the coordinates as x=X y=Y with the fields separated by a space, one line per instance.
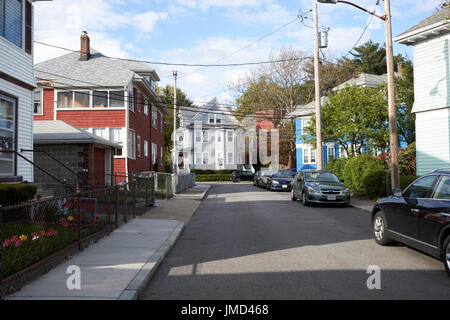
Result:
x=98 y=71
x=433 y=25
x=189 y=116
x=60 y=132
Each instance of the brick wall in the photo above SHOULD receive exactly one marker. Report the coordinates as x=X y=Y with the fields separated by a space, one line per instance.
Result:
x=93 y=118
x=48 y=105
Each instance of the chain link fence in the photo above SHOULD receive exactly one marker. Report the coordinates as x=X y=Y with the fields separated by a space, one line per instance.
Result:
x=39 y=234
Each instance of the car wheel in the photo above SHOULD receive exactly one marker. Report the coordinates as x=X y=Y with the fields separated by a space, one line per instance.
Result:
x=293 y=198
x=304 y=199
x=446 y=255
x=380 y=228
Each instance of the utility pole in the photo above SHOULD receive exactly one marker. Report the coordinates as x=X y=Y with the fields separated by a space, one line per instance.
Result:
x=175 y=154
x=317 y=87
x=395 y=175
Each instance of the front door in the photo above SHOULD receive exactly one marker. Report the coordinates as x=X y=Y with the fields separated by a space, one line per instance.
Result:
x=99 y=167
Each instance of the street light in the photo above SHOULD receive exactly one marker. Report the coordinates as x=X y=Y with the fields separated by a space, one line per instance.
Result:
x=395 y=177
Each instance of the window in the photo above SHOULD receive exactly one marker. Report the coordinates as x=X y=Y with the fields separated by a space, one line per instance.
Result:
x=139 y=101
x=154 y=153
x=230 y=158
x=198 y=158
x=100 y=132
x=131 y=144
x=154 y=118
x=146 y=107
x=38 y=109
x=132 y=99
x=180 y=138
x=115 y=134
x=138 y=146
x=161 y=156
x=64 y=99
x=28 y=26
x=421 y=188
x=305 y=155
x=331 y=153
x=230 y=136
x=211 y=118
x=11 y=21
x=219 y=137
x=81 y=99
x=309 y=156
x=313 y=156
x=205 y=158
x=116 y=99
x=205 y=135
x=217 y=119
x=100 y=99
x=7 y=130
x=198 y=136
x=145 y=148
x=443 y=189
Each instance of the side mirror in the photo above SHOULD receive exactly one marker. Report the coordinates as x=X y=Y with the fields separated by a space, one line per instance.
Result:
x=341 y=180
x=397 y=192
x=299 y=179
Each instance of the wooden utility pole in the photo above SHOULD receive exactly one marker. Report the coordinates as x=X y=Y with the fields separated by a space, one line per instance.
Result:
x=175 y=153
x=395 y=176
x=317 y=87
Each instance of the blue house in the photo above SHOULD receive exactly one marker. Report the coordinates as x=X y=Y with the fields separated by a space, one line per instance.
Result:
x=306 y=154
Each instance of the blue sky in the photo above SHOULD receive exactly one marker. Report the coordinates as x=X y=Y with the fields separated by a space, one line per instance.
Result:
x=206 y=31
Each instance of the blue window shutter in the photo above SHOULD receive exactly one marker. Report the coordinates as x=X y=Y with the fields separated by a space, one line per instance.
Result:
x=324 y=157
x=336 y=146
x=2 y=14
x=299 y=158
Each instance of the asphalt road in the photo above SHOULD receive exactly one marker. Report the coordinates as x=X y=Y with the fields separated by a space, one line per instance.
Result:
x=247 y=243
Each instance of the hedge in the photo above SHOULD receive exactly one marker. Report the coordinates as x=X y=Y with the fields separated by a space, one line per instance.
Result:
x=11 y=194
x=200 y=171
x=212 y=177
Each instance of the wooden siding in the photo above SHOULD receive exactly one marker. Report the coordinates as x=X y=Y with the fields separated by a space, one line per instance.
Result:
x=15 y=62
x=432 y=140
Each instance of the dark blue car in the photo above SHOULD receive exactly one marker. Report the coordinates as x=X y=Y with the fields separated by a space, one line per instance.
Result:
x=280 y=180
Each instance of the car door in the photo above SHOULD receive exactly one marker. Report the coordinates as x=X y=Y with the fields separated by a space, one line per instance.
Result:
x=435 y=212
x=403 y=215
x=294 y=184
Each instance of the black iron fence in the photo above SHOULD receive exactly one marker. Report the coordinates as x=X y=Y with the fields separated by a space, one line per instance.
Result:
x=39 y=234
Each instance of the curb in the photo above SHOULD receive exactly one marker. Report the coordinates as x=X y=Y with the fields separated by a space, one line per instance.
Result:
x=360 y=207
x=142 y=278
x=205 y=192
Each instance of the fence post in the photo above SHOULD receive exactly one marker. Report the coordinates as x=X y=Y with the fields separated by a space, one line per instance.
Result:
x=146 y=191
x=79 y=219
x=1 y=248
x=125 y=201
x=134 y=196
x=167 y=187
x=116 y=206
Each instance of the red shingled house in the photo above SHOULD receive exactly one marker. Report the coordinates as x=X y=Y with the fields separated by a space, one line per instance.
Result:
x=111 y=98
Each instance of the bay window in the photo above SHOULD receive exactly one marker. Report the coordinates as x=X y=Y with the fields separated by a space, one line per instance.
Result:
x=82 y=99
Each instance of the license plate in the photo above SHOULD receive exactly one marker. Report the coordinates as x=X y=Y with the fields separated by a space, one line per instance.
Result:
x=284 y=185
x=331 y=197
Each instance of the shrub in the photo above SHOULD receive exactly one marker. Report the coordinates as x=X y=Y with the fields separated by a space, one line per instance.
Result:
x=201 y=171
x=337 y=166
x=372 y=180
x=354 y=170
x=407 y=160
x=15 y=193
x=212 y=177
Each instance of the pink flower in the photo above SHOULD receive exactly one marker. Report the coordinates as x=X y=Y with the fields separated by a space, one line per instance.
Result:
x=6 y=243
x=18 y=243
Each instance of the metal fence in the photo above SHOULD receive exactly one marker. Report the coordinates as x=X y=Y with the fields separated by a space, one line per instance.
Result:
x=168 y=184
x=37 y=235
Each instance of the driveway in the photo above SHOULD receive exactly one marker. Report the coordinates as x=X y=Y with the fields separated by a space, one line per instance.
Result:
x=247 y=243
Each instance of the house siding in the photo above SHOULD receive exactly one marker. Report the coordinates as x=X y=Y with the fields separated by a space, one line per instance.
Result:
x=48 y=106
x=15 y=62
x=93 y=118
x=432 y=140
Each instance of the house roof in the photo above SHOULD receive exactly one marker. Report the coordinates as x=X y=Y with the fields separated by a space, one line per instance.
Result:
x=99 y=71
x=363 y=79
x=212 y=107
x=434 y=24
x=60 y=132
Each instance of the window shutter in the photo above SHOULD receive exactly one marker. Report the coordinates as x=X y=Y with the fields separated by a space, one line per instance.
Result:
x=28 y=26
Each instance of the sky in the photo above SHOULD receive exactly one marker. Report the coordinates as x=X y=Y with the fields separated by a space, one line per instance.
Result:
x=213 y=31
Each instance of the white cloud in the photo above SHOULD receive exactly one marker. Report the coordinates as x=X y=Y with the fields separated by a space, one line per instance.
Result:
x=146 y=21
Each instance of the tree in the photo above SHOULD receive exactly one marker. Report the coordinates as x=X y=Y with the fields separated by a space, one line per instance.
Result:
x=369 y=58
x=355 y=118
x=166 y=96
x=404 y=97
x=444 y=4
x=277 y=87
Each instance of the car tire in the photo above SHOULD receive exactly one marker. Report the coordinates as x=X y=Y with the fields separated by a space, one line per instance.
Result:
x=304 y=199
x=380 y=227
x=293 y=198
x=446 y=255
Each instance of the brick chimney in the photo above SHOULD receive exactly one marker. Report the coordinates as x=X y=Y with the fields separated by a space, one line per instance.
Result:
x=85 y=47
x=399 y=67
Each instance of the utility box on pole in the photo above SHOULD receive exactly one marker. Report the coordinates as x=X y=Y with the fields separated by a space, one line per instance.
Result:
x=323 y=39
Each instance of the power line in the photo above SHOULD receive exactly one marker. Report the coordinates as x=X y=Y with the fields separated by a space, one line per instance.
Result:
x=181 y=64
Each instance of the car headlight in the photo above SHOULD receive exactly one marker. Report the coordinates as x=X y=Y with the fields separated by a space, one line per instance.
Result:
x=275 y=182
x=313 y=190
x=345 y=191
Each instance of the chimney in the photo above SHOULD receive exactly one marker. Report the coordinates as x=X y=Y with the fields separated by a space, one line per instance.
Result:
x=399 y=67
x=85 y=47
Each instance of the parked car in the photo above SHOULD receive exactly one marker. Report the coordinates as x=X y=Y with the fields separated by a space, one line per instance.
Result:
x=256 y=178
x=263 y=178
x=419 y=216
x=238 y=176
x=319 y=186
x=280 y=180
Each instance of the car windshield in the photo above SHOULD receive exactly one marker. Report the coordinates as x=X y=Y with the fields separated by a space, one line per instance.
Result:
x=283 y=174
x=317 y=176
x=266 y=173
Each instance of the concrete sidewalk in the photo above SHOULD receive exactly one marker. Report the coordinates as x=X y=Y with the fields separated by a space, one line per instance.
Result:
x=120 y=265
x=362 y=203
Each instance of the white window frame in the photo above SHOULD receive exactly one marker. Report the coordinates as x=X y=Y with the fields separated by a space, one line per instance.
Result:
x=41 y=102
x=198 y=158
x=228 y=136
x=310 y=153
x=161 y=155
x=154 y=153
x=138 y=146
x=131 y=144
x=91 y=99
x=145 y=148
x=146 y=107
x=333 y=152
x=205 y=135
x=205 y=159
x=198 y=136
x=228 y=158
x=154 y=118
x=105 y=134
